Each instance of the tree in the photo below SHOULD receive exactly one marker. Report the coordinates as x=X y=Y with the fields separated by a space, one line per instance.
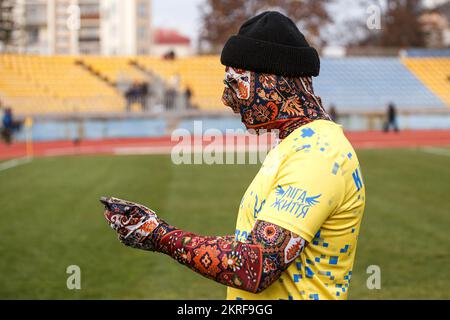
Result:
x=6 y=21
x=400 y=25
x=222 y=18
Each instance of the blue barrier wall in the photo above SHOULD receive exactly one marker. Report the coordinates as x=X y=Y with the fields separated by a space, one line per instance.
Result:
x=142 y=128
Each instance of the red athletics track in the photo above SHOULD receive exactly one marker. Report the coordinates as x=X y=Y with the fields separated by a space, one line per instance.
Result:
x=163 y=145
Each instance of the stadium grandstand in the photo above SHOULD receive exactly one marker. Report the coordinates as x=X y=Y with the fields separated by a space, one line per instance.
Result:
x=58 y=84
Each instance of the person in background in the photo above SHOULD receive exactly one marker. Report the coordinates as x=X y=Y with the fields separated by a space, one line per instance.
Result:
x=170 y=97
x=391 y=118
x=333 y=113
x=188 y=95
x=143 y=92
x=130 y=96
x=137 y=93
x=9 y=125
x=170 y=55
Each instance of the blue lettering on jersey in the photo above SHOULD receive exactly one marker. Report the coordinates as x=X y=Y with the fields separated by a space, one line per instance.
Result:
x=294 y=201
x=357 y=179
x=257 y=210
x=241 y=236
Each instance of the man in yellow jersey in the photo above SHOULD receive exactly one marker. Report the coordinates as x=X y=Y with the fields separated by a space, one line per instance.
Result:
x=299 y=219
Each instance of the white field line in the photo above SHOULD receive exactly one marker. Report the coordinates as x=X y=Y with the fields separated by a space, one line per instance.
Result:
x=141 y=150
x=68 y=151
x=437 y=151
x=188 y=149
x=14 y=163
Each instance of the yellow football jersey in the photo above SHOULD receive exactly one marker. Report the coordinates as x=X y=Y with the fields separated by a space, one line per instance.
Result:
x=310 y=184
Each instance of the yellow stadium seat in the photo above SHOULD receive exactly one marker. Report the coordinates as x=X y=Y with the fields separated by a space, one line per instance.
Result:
x=202 y=74
x=434 y=73
x=54 y=84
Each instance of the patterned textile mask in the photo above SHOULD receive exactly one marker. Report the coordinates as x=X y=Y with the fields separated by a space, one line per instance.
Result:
x=271 y=102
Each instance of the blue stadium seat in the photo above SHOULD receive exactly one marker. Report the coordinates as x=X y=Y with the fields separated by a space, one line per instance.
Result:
x=371 y=83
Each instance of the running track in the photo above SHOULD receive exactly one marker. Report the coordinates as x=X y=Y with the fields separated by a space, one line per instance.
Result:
x=163 y=145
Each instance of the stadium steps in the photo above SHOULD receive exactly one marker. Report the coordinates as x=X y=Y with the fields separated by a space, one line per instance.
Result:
x=135 y=63
x=115 y=70
x=95 y=73
x=434 y=73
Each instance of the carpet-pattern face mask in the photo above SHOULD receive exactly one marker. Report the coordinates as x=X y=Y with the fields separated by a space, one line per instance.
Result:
x=272 y=102
x=240 y=81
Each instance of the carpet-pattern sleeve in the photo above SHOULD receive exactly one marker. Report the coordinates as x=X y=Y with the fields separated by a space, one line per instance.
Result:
x=251 y=266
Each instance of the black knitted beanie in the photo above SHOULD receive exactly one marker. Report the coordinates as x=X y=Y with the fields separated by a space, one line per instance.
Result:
x=271 y=43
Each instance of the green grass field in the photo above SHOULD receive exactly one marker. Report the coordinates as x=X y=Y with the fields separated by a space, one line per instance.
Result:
x=51 y=218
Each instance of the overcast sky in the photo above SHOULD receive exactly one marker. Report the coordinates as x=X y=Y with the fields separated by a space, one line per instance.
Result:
x=184 y=15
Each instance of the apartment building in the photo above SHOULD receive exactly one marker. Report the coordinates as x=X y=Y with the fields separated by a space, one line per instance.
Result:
x=71 y=27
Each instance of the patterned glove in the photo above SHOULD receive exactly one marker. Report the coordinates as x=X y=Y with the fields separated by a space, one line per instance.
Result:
x=133 y=222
